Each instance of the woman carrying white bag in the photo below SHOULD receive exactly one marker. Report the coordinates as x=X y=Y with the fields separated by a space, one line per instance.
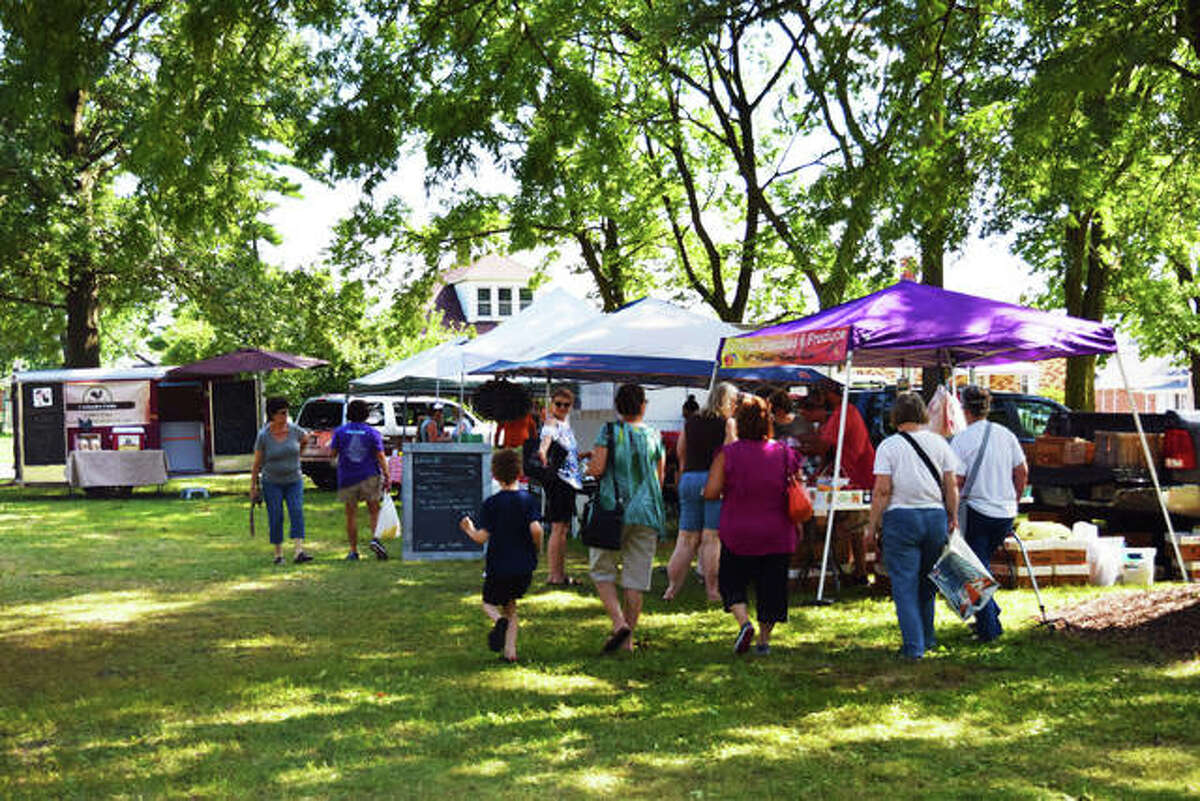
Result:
x=914 y=505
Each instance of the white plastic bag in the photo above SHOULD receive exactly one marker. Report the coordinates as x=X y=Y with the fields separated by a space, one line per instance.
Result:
x=961 y=578
x=1104 y=558
x=945 y=414
x=388 y=524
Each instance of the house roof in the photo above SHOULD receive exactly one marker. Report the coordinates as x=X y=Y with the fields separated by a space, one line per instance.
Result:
x=490 y=268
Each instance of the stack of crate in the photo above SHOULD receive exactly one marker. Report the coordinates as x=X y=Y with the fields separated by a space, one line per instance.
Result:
x=1054 y=563
x=1189 y=549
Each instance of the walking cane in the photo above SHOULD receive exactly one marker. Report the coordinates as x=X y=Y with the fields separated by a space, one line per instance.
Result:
x=1032 y=578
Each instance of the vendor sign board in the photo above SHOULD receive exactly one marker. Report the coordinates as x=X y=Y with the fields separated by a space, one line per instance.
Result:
x=820 y=346
x=107 y=403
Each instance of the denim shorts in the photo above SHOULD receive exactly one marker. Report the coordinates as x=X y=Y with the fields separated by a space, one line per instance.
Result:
x=695 y=513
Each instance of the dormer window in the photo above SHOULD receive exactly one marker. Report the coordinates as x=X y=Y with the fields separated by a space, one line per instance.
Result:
x=504 y=305
x=483 y=301
x=526 y=298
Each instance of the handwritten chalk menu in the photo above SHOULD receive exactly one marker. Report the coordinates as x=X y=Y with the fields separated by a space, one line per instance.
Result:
x=442 y=482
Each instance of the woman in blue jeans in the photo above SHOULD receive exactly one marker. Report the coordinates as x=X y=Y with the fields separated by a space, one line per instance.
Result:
x=277 y=458
x=915 y=505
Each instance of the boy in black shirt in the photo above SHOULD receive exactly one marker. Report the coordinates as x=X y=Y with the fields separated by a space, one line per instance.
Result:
x=510 y=523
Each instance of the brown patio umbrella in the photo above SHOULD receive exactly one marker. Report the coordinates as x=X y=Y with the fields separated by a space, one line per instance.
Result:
x=246 y=360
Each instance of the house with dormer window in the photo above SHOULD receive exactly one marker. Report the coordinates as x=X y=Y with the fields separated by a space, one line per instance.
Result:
x=485 y=293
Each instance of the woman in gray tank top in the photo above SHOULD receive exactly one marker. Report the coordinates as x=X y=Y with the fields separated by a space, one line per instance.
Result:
x=277 y=459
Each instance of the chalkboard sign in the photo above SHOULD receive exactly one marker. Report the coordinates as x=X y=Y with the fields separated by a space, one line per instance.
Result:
x=442 y=482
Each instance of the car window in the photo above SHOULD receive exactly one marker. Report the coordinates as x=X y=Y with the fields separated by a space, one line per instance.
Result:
x=375 y=414
x=321 y=414
x=1034 y=415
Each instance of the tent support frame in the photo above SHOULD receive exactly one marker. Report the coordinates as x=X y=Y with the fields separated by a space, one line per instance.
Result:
x=837 y=467
x=1158 y=492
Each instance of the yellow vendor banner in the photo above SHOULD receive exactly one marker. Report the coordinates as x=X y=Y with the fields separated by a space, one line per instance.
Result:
x=107 y=403
x=819 y=346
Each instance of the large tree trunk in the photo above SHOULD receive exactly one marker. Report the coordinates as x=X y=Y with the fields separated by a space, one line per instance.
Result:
x=1195 y=366
x=83 y=315
x=1085 y=287
x=83 y=285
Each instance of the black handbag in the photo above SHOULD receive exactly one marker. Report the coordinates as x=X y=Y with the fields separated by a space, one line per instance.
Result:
x=602 y=527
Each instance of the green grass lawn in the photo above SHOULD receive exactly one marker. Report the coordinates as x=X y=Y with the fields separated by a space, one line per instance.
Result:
x=149 y=649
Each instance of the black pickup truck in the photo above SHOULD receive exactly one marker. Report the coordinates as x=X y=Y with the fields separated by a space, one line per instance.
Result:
x=1025 y=415
x=1124 y=495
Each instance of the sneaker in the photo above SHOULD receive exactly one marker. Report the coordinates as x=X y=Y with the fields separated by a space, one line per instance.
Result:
x=352 y=556
x=377 y=546
x=278 y=560
x=496 y=635
x=745 y=636
x=762 y=648
x=302 y=557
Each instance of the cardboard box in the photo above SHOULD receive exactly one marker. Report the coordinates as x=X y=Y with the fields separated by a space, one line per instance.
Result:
x=1124 y=448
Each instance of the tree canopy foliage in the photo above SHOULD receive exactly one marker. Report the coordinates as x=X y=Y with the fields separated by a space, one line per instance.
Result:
x=747 y=154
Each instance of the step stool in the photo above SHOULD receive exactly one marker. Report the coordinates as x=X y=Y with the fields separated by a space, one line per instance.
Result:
x=187 y=493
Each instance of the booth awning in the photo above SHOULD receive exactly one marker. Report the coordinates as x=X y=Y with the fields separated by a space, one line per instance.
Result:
x=915 y=325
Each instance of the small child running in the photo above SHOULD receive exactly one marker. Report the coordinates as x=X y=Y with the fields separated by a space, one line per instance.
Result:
x=510 y=522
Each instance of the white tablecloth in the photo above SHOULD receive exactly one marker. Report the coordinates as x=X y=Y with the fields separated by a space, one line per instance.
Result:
x=116 y=468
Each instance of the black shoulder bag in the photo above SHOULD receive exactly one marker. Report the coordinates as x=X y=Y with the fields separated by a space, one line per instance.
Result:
x=602 y=527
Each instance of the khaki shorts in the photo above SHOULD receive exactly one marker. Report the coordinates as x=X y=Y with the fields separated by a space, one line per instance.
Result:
x=366 y=490
x=636 y=558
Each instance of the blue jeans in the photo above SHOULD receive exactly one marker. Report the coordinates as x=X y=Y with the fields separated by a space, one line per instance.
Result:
x=275 y=496
x=985 y=534
x=912 y=541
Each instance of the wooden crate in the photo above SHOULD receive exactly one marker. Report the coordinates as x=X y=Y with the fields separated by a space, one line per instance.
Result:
x=1124 y=448
x=1048 y=451
x=1189 y=546
x=1072 y=575
x=1043 y=573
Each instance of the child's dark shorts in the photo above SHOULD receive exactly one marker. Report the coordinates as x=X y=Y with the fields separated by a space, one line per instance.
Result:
x=499 y=590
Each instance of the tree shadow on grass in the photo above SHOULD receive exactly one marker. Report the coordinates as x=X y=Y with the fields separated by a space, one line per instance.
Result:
x=373 y=679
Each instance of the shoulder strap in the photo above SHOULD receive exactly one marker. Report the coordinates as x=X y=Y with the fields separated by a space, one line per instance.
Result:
x=974 y=471
x=937 y=480
x=610 y=465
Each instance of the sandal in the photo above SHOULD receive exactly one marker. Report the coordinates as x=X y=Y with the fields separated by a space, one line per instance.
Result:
x=566 y=582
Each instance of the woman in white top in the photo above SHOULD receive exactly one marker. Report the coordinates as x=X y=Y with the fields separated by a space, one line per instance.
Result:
x=915 y=506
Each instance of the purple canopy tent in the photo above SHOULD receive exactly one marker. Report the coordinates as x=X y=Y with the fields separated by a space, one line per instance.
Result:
x=915 y=325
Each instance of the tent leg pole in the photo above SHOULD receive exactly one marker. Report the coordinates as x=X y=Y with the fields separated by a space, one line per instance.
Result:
x=837 y=468
x=1158 y=493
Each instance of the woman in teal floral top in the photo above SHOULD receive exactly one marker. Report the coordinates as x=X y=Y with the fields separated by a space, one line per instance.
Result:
x=631 y=455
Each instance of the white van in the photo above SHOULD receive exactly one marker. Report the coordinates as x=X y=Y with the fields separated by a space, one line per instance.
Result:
x=396 y=417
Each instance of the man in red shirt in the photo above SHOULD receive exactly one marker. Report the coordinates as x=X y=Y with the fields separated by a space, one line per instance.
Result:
x=858 y=455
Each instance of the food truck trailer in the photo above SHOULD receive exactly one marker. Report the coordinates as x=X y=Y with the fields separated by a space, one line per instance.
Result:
x=128 y=417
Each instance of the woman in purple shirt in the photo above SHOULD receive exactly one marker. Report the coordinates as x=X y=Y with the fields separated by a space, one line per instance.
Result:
x=757 y=536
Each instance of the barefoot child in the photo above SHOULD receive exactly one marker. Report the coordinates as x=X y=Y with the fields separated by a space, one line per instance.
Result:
x=510 y=523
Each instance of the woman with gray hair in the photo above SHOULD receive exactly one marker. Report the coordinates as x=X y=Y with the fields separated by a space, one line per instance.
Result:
x=915 y=506
x=702 y=437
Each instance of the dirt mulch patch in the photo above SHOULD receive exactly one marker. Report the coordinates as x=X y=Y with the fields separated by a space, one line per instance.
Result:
x=1160 y=623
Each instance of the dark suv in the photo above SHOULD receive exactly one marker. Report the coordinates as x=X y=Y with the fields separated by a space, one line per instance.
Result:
x=1024 y=415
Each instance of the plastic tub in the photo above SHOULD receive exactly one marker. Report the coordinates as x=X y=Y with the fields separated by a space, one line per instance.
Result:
x=1137 y=567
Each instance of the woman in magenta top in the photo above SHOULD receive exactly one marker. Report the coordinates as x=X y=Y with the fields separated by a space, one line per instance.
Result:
x=757 y=536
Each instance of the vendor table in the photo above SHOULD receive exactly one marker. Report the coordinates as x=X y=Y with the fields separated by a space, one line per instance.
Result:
x=116 y=468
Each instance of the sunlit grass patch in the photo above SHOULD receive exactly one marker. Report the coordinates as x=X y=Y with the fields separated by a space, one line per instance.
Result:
x=150 y=649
